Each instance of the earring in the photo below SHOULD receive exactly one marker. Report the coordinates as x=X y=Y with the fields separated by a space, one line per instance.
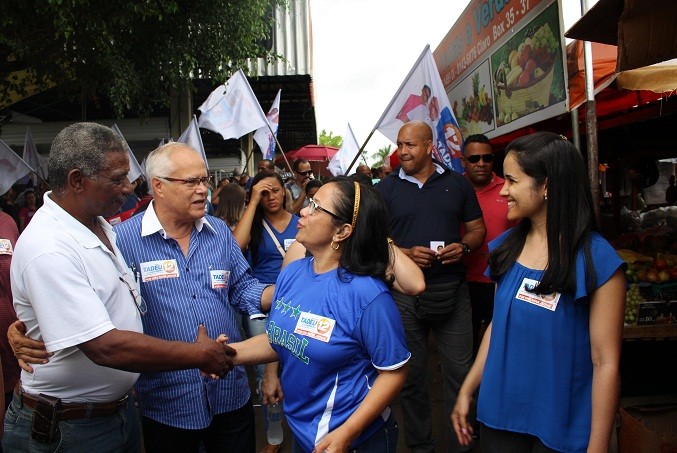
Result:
x=338 y=244
x=545 y=196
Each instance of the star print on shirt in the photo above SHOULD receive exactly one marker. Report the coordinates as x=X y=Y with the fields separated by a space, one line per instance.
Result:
x=285 y=308
x=296 y=311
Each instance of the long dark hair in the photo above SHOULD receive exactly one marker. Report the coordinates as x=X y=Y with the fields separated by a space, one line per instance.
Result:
x=256 y=235
x=231 y=204
x=570 y=218
x=365 y=252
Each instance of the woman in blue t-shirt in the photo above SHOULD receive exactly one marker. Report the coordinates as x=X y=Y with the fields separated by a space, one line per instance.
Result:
x=549 y=363
x=335 y=328
x=264 y=233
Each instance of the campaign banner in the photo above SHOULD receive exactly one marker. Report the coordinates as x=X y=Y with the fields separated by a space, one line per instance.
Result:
x=503 y=65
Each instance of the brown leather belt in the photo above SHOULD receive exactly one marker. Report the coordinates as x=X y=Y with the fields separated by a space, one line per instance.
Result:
x=73 y=411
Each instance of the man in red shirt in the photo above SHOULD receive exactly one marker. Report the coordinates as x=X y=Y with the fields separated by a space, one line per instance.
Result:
x=478 y=162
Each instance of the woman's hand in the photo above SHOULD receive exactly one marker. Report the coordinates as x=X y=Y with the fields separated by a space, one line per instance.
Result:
x=260 y=190
x=25 y=349
x=459 y=419
x=271 y=389
x=335 y=442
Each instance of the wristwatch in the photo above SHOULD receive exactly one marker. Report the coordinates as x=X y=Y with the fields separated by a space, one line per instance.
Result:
x=466 y=248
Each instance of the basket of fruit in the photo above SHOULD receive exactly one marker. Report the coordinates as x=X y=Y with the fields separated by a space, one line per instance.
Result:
x=523 y=80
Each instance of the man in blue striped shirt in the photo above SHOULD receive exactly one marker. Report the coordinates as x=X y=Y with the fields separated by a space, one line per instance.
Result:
x=73 y=291
x=190 y=270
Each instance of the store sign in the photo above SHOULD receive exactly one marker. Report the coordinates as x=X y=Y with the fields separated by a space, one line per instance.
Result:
x=503 y=65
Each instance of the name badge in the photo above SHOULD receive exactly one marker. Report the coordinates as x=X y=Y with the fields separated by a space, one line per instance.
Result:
x=547 y=301
x=287 y=243
x=219 y=279
x=6 y=247
x=314 y=326
x=156 y=270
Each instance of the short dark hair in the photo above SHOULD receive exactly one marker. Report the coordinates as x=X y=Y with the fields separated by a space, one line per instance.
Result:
x=570 y=219
x=312 y=184
x=475 y=138
x=366 y=251
x=83 y=146
x=297 y=163
x=269 y=164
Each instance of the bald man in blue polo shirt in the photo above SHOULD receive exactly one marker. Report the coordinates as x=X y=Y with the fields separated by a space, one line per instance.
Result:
x=428 y=204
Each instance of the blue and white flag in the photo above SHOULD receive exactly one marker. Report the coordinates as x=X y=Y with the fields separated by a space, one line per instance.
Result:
x=265 y=136
x=232 y=110
x=422 y=97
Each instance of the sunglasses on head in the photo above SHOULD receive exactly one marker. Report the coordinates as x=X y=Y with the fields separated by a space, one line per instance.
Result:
x=487 y=158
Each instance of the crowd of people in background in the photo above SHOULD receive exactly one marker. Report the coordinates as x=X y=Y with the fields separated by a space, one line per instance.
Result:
x=336 y=285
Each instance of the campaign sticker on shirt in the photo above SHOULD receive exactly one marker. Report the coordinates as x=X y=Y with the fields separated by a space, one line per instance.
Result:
x=315 y=326
x=287 y=243
x=6 y=247
x=219 y=279
x=156 y=270
x=548 y=301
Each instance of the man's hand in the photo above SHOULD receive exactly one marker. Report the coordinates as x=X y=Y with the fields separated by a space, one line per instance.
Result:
x=25 y=349
x=452 y=253
x=422 y=256
x=217 y=355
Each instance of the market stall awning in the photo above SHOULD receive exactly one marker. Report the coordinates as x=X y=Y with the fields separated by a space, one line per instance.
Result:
x=643 y=30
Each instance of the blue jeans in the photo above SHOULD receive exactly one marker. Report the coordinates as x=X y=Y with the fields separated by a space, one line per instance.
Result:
x=115 y=433
x=453 y=336
x=382 y=441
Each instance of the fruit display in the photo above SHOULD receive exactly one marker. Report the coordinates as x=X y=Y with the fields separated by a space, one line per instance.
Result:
x=474 y=109
x=523 y=77
x=661 y=269
x=632 y=300
x=532 y=59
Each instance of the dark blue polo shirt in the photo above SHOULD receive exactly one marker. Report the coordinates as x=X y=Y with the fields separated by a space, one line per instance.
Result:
x=435 y=212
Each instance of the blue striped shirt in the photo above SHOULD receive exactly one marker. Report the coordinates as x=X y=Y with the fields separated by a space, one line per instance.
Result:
x=181 y=292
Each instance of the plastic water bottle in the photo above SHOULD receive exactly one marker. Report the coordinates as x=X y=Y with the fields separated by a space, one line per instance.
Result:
x=275 y=435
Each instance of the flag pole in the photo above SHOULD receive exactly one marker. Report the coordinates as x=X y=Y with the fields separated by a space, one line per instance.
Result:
x=277 y=142
x=359 y=153
x=397 y=94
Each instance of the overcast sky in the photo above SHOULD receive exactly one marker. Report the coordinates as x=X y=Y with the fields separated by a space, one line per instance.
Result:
x=363 y=50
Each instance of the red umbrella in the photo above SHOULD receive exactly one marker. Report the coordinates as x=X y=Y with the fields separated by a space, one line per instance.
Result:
x=315 y=154
x=319 y=153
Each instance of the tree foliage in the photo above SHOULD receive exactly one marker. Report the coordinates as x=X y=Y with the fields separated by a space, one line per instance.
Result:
x=129 y=52
x=380 y=156
x=329 y=139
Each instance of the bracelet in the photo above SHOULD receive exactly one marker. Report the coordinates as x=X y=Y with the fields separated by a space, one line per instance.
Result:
x=390 y=240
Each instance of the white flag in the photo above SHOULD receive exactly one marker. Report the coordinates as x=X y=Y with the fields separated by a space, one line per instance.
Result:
x=263 y=135
x=191 y=137
x=345 y=155
x=135 y=169
x=143 y=168
x=422 y=97
x=12 y=168
x=232 y=110
x=32 y=158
